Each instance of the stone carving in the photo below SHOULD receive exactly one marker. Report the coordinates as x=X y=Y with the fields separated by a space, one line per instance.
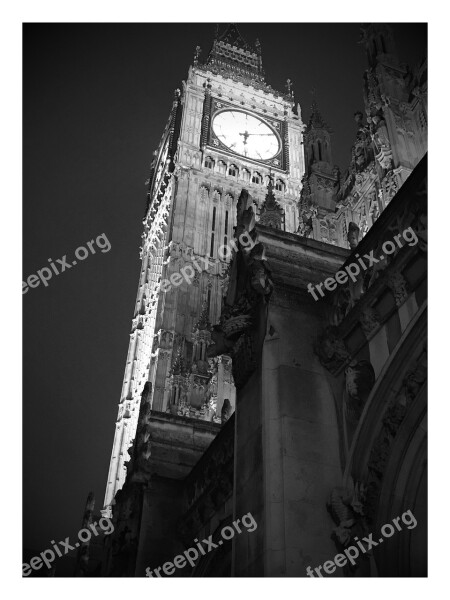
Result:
x=141 y=449
x=393 y=417
x=198 y=51
x=271 y=213
x=359 y=380
x=353 y=235
x=307 y=213
x=397 y=284
x=233 y=334
x=370 y=321
x=204 y=193
x=331 y=349
x=347 y=509
x=389 y=186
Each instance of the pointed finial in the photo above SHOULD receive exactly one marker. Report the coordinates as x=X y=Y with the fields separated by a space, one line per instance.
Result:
x=290 y=87
x=258 y=46
x=196 y=55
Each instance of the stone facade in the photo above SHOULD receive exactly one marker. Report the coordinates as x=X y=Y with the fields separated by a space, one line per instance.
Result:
x=194 y=186
x=391 y=139
x=242 y=393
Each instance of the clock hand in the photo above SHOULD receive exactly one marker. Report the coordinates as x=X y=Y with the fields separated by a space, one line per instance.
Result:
x=245 y=135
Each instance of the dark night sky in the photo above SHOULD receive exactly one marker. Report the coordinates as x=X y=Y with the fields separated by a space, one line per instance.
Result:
x=96 y=100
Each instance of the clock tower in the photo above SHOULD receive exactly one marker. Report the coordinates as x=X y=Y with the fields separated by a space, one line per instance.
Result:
x=228 y=131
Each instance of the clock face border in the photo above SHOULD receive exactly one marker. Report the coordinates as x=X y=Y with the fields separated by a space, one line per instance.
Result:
x=275 y=125
x=268 y=128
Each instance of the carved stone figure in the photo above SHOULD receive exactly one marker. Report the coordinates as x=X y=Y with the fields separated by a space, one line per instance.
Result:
x=370 y=321
x=330 y=349
x=359 y=380
x=353 y=234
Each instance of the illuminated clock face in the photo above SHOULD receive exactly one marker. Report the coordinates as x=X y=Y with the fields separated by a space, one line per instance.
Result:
x=246 y=135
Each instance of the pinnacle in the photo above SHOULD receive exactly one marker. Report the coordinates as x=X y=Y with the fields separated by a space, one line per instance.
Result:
x=316 y=120
x=178 y=367
x=203 y=321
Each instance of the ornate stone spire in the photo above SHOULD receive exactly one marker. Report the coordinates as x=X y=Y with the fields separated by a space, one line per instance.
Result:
x=316 y=120
x=271 y=213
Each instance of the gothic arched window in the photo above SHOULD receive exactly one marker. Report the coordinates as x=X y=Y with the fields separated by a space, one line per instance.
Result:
x=256 y=177
x=233 y=171
x=279 y=185
x=246 y=175
x=209 y=162
x=221 y=167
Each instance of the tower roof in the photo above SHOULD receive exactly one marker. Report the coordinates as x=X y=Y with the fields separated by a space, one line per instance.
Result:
x=232 y=37
x=232 y=54
x=316 y=120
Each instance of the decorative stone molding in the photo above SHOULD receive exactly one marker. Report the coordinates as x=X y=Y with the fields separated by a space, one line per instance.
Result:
x=393 y=417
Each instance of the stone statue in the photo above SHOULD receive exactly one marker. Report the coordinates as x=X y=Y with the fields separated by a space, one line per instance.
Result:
x=353 y=234
x=359 y=380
